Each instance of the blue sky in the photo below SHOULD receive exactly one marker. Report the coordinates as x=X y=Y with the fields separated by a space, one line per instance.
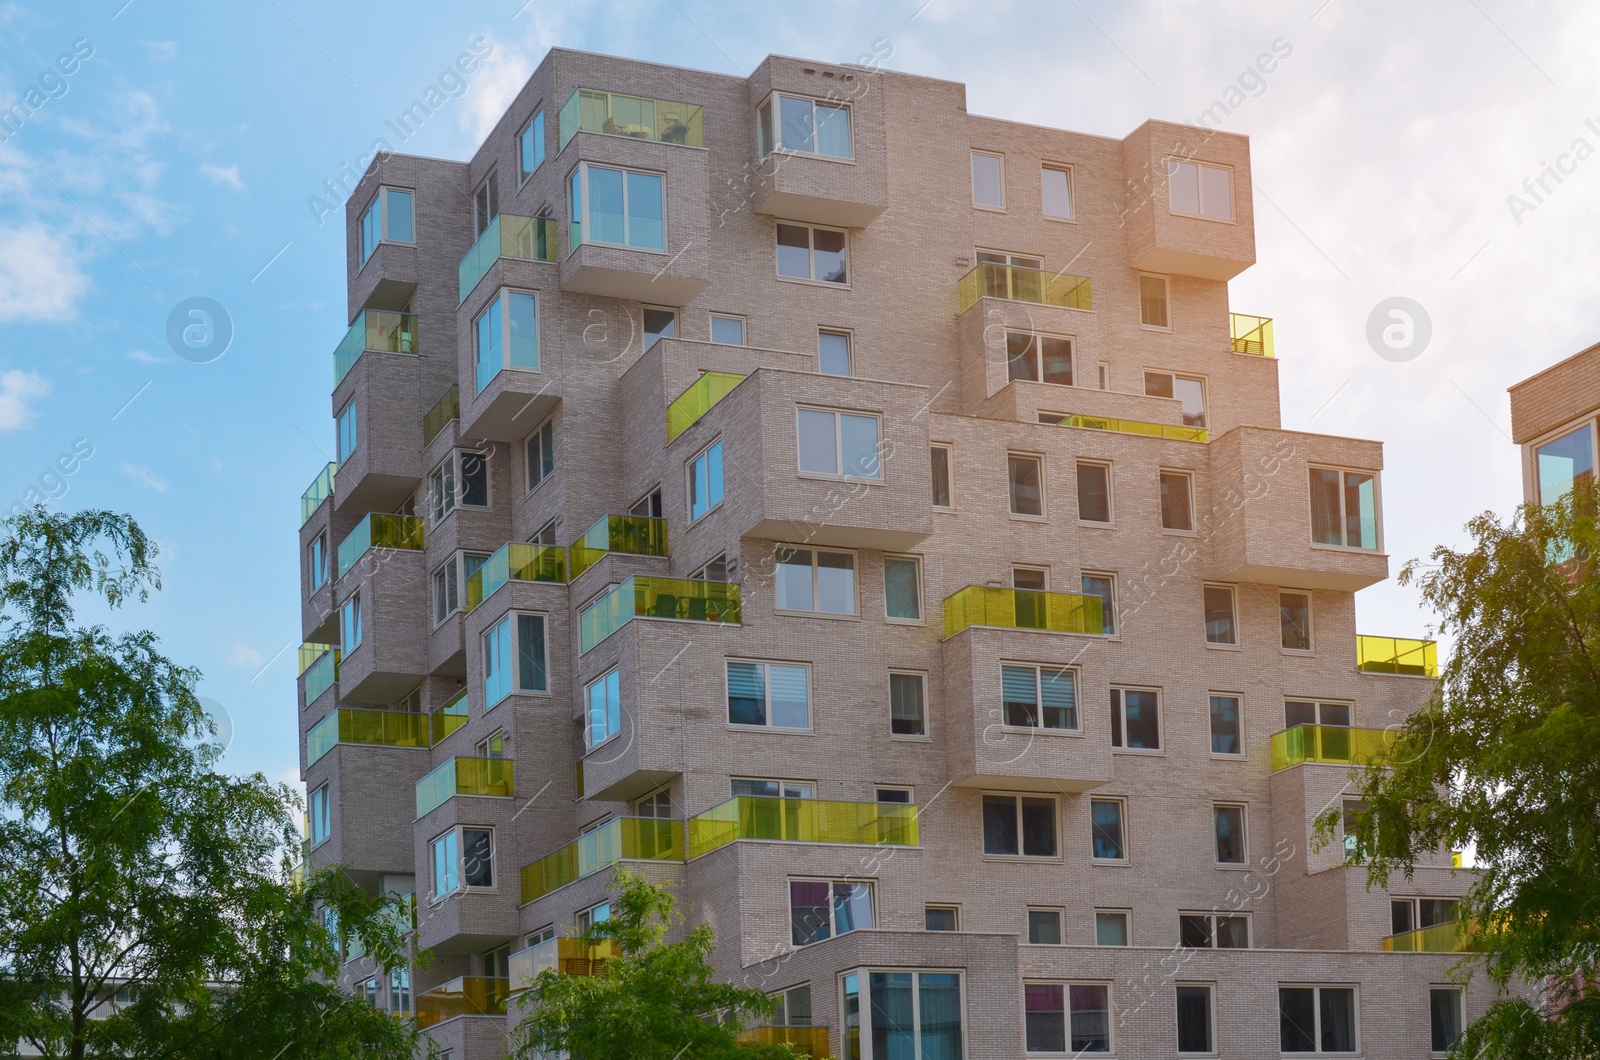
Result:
x=189 y=151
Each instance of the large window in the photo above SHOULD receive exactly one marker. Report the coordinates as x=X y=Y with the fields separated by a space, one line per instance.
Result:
x=1344 y=508
x=774 y=695
x=1228 y=829
x=388 y=220
x=1039 y=697
x=1294 y=620
x=1317 y=1019
x=321 y=816
x=1136 y=719
x=506 y=335
x=705 y=480
x=1200 y=189
x=804 y=126
x=1226 y=738
x=462 y=478
x=1056 y=184
x=806 y=252
x=1019 y=826
x=823 y=909
x=618 y=207
x=462 y=857
x=1038 y=358
x=540 y=453
x=514 y=658
x=1107 y=829
x=815 y=579
x=988 y=180
x=1067 y=1018
x=1189 y=391
x=1026 y=479
x=904 y=1016
x=838 y=443
x=1177 y=501
x=1196 y=1020
x=348 y=427
x=1410 y=914
x=902 y=588
x=350 y=630
x=1094 y=492
x=530 y=146
x=1445 y=1017
x=602 y=709
x=1564 y=463
x=908 y=711
x=1222 y=629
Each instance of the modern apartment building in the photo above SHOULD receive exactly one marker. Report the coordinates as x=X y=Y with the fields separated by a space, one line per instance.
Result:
x=1553 y=418
x=871 y=519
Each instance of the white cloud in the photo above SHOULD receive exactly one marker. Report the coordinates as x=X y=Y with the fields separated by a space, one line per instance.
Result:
x=493 y=87
x=246 y=656
x=41 y=277
x=145 y=479
x=162 y=51
x=142 y=357
x=222 y=175
x=18 y=392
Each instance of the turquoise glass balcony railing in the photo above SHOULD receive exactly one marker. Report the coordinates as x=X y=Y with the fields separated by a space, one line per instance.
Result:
x=379 y=531
x=321 y=489
x=438 y=418
x=464 y=776
x=508 y=236
x=319 y=665
x=516 y=562
x=619 y=114
x=636 y=535
x=374 y=329
x=648 y=597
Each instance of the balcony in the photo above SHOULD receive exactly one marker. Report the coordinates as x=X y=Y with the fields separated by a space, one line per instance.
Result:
x=447 y=719
x=1453 y=936
x=379 y=531
x=1017 y=284
x=519 y=563
x=319 y=665
x=374 y=329
x=642 y=596
x=802 y=821
x=1397 y=655
x=383 y=728
x=620 y=839
x=1252 y=335
x=639 y=117
x=1332 y=744
x=321 y=489
x=987 y=605
x=438 y=418
x=804 y=1041
x=562 y=956
x=1152 y=430
x=465 y=996
x=636 y=535
x=695 y=402
x=508 y=236
x=464 y=776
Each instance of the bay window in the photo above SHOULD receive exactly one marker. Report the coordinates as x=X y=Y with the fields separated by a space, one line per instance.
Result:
x=1019 y=826
x=387 y=220
x=804 y=126
x=1344 y=508
x=1200 y=189
x=841 y=444
x=506 y=335
x=618 y=207
x=602 y=709
x=904 y=1015
x=1039 y=697
x=523 y=670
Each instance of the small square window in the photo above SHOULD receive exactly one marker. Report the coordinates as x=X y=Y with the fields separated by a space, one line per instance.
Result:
x=1344 y=508
x=727 y=330
x=815 y=579
x=1214 y=931
x=1110 y=927
x=1039 y=697
x=941 y=918
x=1136 y=719
x=1189 y=391
x=1044 y=927
x=825 y=909
x=1019 y=826
x=1200 y=189
x=806 y=252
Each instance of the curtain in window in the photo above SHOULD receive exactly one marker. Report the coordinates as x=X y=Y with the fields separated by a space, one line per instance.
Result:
x=939 y=1004
x=1338 y=1021
x=1325 y=529
x=893 y=1029
x=1296 y=1018
x=833 y=131
x=1044 y=1018
x=1059 y=693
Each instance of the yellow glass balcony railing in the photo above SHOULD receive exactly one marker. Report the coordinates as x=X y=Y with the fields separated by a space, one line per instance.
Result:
x=1017 y=284
x=310 y=653
x=1251 y=334
x=444 y=410
x=448 y=718
x=321 y=672
x=378 y=530
x=468 y=995
x=620 y=839
x=464 y=776
x=508 y=236
x=802 y=821
x=988 y=605
x=1153 y=430
x=374 y=329
x=1335 y=744
x=1397 y=655
x=805 y=1041
x=1453 y=936
x=516 y=562
x=321 y=489
x=636 y=535
x=386 y=728
x=649 y=597
x=619 y=114
x=562 y=956
x=695 y=402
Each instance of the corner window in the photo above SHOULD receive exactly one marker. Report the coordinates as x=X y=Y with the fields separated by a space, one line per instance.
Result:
x=448 y=581
x=1226 y=736
x=506 y=335
x=727 y=330
x=842 y=444
x=1135 y=719
x=540 y=452
x=1094 y=492
x=321 y=814
x=485 y=204
x=1195 y=1020
x=1317 y=1019
x=388 y=220
x=825 y=909
x=1445 y=1017
x=804 y=126
x=348 y=426
x=1153 y=303
x=1294 y=620
x=602 y=709
x=514 y=658
x=1038 y=358
x=1177 y=501
x=815 y=580
x=1104 y=588
x=350 y=624
x=806 y=252
x=907 y=705
x=941 y=918
x=1344 y=508
x=1106 y=829
x=461 y=480
x=462 y=858
x=1228 y=829
x=902 y=588
x=1026 y=480
x=1566 y=462
x=1044 y=927
x=1039 y=697
x=705 y=481
x=491 y=746
x=617 y=207
x=1067 y=1018
x=1056 y=184
x=1214 y=931
x=792 y=1007
x=530 y=145
x=1188 y=390
x=317 y=560
x=1019 y=826
x=1111 y=927
x=771 y=695
x=1222 y=629
x=833 y=352
x=988 y=180
x=904 y=1015
x=1200 y=189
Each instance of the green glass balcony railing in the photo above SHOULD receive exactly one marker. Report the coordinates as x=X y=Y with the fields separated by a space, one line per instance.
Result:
x=448 y=718
x=619 y=114
x=562 y=956
x=1336 y=744
x=438 y=418
x=311 y=652
x=695 y=402
x=620 y=839
x=321 y=489
x=374 y=329
x=385 y=728
x=649 y=597
x=1397 y=655
x=1250 y=334
x=516 y=562
x=508 y=236
x=1153 y=430
x=1015 y=283
x=1453 y=936
x=468 y=995
x=988 y=605
x=636 y=535
x=803 y=1041
x=378 y=530
x=321 y=672
x=464 y=776
x=802 y=821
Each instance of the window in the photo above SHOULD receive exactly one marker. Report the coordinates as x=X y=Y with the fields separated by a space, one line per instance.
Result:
x=350 y=624
x=715 y=569
x=907 y=705
x=942 y=495
x=545 y=535
x=902 y=588
x=1106 y=831
x=1317 y=1019
x=1153 y=303
x=792 y=1007
x=506 y=335
x=526 y=671
x=540 y=452
x=648 y=506
x=1350 y=818
x=1294 y=618
x=905 y=1015
x=400 y=990
x=1200 y=189
x=816 y=580
x=387 y=220
x=1412 y=914
x=988 y=180
x=1135 y=719
x=833 y=352
x=1111 y=927
x=618 y=207
x=1564 y=463
x=493 y=962
x=367 y=990
x=461 y=479
x=1038 y=358
x=838 y=443
x=658 y=804
x=321 y=816
x=492 y=746
x=1100 y=375
x=1228 y=827
x=1057 y=190
x=1027 y=484
x=806 y=252
x=602 y=709
x=1221 y=627
x=595 y=914
x=317 y=554
x=769 y=694
x=1094 y=492
x=1300 y=712
x=658 y=323
x=347 y=431
x=1344 y=508
x=1195 y=1019
x=805 y=126
x=1214 y=931
x=530 y=146
x=1033 y=579
x=1039 y=697
x=771 y=789
x=448 y=580
x=1188 y=390
x=1061 y=1017
x=1177 y=501
x=1104 y=587
x=941 y=918
x=1445 y=1017
x=1019 y=826
x=727 y=330
x=823 y=909
x=705 y=481
x=446 y=864
x=1044 y=927
x=1226 y=737
x=894 y=796
x=485 y=204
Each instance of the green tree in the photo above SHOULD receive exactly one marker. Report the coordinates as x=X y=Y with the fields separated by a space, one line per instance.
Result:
x=655 y=1000
x=132 y=864
x=1506 y=758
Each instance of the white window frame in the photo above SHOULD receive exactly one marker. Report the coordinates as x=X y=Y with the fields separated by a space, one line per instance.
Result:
x=1316 y=1008
x=769 y=126
x=944 y=907
x=1044 y=498
x=1122 y=827
x=1016 y=798
x=1238 y=698
x=317 y=560
x=744 y=329
x=348 y=431
x=922 y=608
x=1166 y=301
x=863 y=976
x=949 y=474
x=1036 y=355
x=458 y=867
x=1233 y=610
x=491 y=746
x=703 y=572
x=1211 y=1017
x=1038 y=698
x=922 y=682
x=1111 y=495
x=1461 y=1013
x=351 y=607
x=1244 y=832
x=585 y=919
x=442 y=503
x=320 y=800
x=590 y=730
x=512 y=660
x=1188 y=482
x=1172 y=378
x=1116 y=627
x=457 y=564
x=1127 y=925
x=691 y=471
x=502 y=299
x=546 y=453
x=581 y=171
x=1342 y=522
x=811 y=252
x=838 y=444
x=380 y=202
x=1200 y=200
x=999 y=157
x=1213 y=917
x=1061 y=923
x=766 y=684
x=1311 y=621
x=536 y=127
x=816 y=595
x=849 y=351
x=832 y=882
x=485 y=203
x=1072 y=197
x=1119 y=708
x=810 y=786
x=1066 y=986
x=1043 y=572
